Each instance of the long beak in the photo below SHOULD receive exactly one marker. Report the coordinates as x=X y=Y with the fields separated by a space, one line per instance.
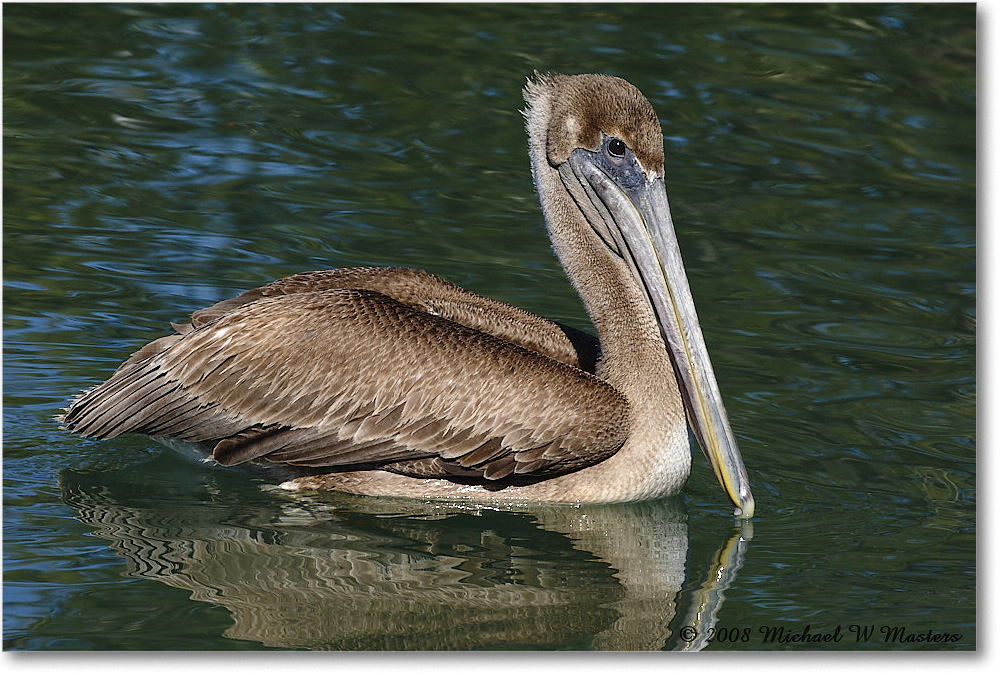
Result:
x=633 y=218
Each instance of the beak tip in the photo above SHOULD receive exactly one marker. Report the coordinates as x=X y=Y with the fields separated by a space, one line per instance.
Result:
x=746 y=507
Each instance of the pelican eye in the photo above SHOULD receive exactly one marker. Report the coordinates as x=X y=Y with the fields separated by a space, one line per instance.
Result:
x=617 y=148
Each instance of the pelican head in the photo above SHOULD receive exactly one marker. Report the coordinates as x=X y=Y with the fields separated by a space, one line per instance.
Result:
x=602 y=144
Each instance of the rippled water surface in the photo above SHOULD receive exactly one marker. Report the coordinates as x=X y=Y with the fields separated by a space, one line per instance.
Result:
x=821 y=170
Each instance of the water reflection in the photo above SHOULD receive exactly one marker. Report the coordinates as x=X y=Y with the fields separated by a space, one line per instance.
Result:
x=345 y=572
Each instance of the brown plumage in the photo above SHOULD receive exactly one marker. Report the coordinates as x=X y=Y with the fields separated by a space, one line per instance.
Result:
x=371 y=403
x=394 y=381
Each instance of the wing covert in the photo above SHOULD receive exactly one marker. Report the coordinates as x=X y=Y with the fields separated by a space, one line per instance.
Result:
x=347 y=378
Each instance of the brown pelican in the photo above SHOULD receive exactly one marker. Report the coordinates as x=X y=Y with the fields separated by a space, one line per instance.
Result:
x=389 y=381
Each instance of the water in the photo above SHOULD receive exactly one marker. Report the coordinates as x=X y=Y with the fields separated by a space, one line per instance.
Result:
x=821 y=169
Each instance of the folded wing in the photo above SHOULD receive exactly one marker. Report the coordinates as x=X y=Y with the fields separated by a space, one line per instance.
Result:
x=316 y=375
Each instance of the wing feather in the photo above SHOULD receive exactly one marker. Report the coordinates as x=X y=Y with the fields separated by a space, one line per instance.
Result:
x=342 y=377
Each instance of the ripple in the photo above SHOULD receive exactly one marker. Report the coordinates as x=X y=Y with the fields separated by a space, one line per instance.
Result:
x=869 y=333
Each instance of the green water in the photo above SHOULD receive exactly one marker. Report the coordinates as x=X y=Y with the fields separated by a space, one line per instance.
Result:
x=821 y=170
